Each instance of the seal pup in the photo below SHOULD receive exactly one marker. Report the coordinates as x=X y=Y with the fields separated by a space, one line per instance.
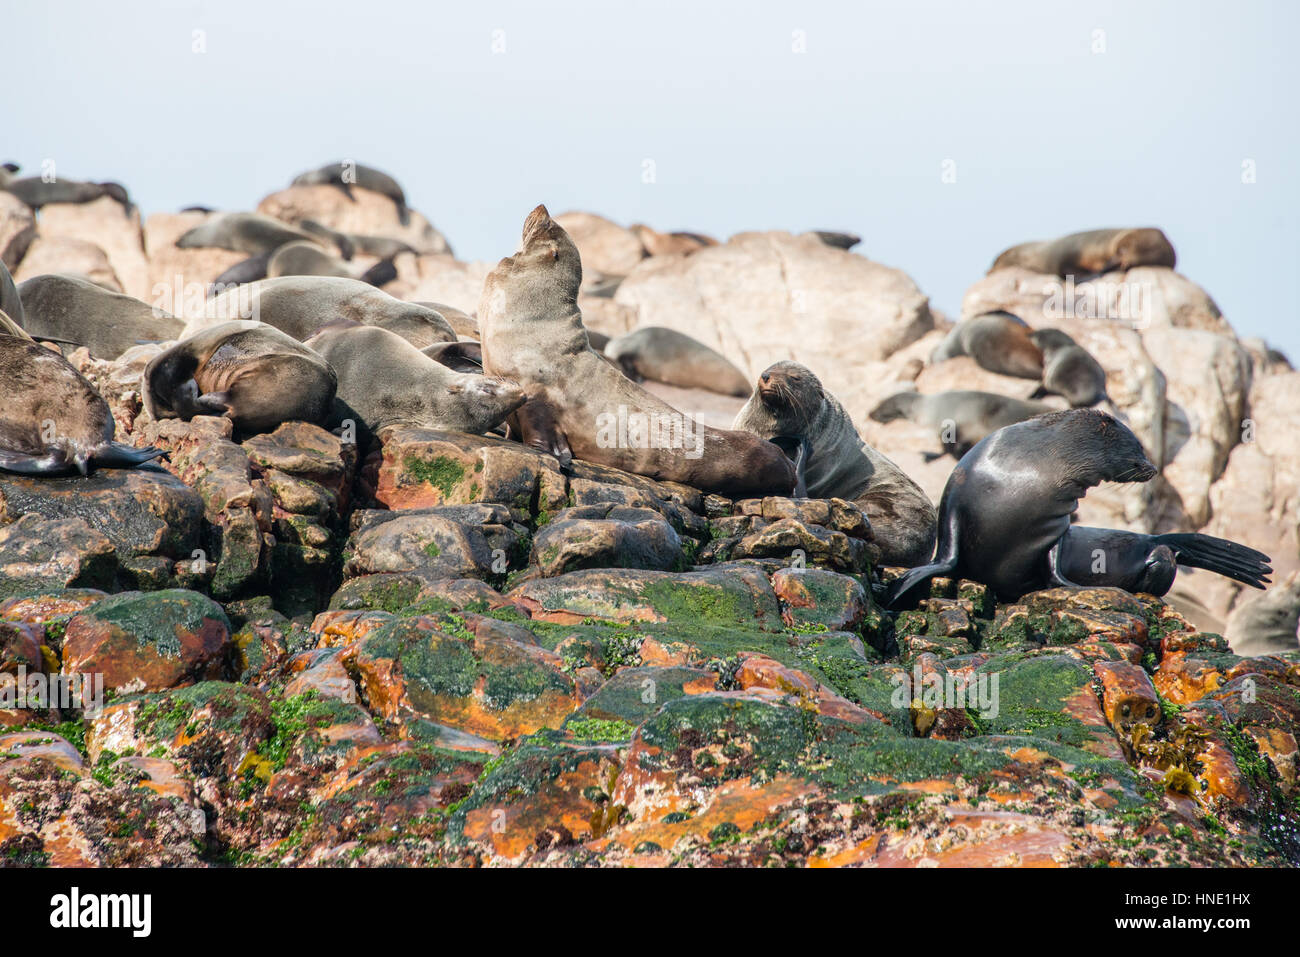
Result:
x=72 y=309
x=249 y=372
x=251 y=233
x=346 y=175
x=1008 y=502
x=36 y=192
x=1266 y=624
x=533 y=334
x=1069 y=370
x=1091 y=253
x=52 y=421
x=300 y=305
x=961 y=417
x=672 y=357
x=997 y=341
x=384 y=381
x=790 y=401
x=1148 y=563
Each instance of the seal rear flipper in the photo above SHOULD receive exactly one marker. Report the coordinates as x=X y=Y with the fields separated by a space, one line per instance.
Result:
x=1227 y=558
x=910 y=588
x=536 y=425
x=54 y=462
x=213 y=403
x=116 y=455
x=380 y=273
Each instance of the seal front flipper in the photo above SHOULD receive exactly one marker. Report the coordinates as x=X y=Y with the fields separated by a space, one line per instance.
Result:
x=1055 y=576
x=1227 y=558
x=796 y=449
x=213 y=403
x=116 y=455
x=380 y=273
x=538 y=427
x=909 y=589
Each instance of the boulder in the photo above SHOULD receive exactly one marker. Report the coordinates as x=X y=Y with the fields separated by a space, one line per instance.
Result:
x=110 y=227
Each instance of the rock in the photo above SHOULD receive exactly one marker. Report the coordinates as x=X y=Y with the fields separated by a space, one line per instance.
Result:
x=766 y=284
x=443 y=542
x=17 y=230
x=179 y=278
x=64 y=254
x=366 y=214
x=606 y=536
x=1127 y=695
x=110 y=227
x=38 y=554
x=605 y=247
x=148 y=641
x=813 y=597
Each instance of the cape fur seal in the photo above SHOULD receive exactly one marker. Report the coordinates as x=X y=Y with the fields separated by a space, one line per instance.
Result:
x=347 y=175
x=672 y=357
x=1069 y=370
x=997 y=341
x=385 y=381
x=249 y=372
x=960 y=417
x=1266 y=624
x=1008 y=502
x=533 y=334
x=300 y=305
x=36 y=192
x=52 y=421
x=75 y=310
x=1148 y=563
x=656 y=243
x=1091 y=253
x=790 y=401
x=250 y=233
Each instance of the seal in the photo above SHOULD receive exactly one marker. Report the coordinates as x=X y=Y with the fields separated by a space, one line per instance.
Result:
x=52 y=421
x=997 y=341
x=413 y=390
x=1008 y=502
x=304 y=257
x=249 y=372
x=461 y=322
x=381 y=247
x=347 y=175
x=36 y=192
x=300 y=305
x=463 y=356
x=533 y=334
x=248 y=270
x=250 y=233
x=11 y=304
x=1266 y=624
x=960 y=417
x=1091 y=253
x=75 y=310
x=845 y=241
x=1110 y=557
x=672 y=357
x=656 y=243
x=790 y=401
x=1069 y=370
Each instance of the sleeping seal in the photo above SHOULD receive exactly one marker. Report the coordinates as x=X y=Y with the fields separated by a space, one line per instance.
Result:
x=347 y=175
x=960 y=417
x=1091 y=253
x=533 y=334
x=76 y=310
x=674 y=358
x=250 y=233
x=997 y=341
x=249 y=372
x=52 y=421
x=36 y=192
x=790 y=401
x=1008 y=502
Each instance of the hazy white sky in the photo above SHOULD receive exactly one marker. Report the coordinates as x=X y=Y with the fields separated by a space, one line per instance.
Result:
x=1047 y=136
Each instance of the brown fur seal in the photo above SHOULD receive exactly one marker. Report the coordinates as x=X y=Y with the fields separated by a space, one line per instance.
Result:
x=347 y=175
x=533 y=334
x=52 y=421
x=305 y=258
x=1069 y=370
x=250 y=233
x=1111 y=557
x=385 y=381
x=1008 y=502
x=251 y=373
x=997 y=341
x=71 y=309
x=1266 y=624
x=1091 y=253
x=300 y=305
x=960 y=417
x=672 y=357
x=790 y=401
x=36 y=192
x=656 y=243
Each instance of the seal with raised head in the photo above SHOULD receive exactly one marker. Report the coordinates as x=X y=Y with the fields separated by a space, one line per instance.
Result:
x=251 y=233
x=579 y=404
x=1008 y=502
x=1091 y=253
x=960 y=417
x=346 y=175
x=36 y=192
x=52 y=421
x=672 y=357
x=385 y=381
x=790 y=401
x=249 y=372
x=300 y=305
x=76 y=310
x=1069 y=370
x=997 y=341
x=1112 y=557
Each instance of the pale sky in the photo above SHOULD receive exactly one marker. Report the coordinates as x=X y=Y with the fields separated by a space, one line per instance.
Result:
x=484 y=109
